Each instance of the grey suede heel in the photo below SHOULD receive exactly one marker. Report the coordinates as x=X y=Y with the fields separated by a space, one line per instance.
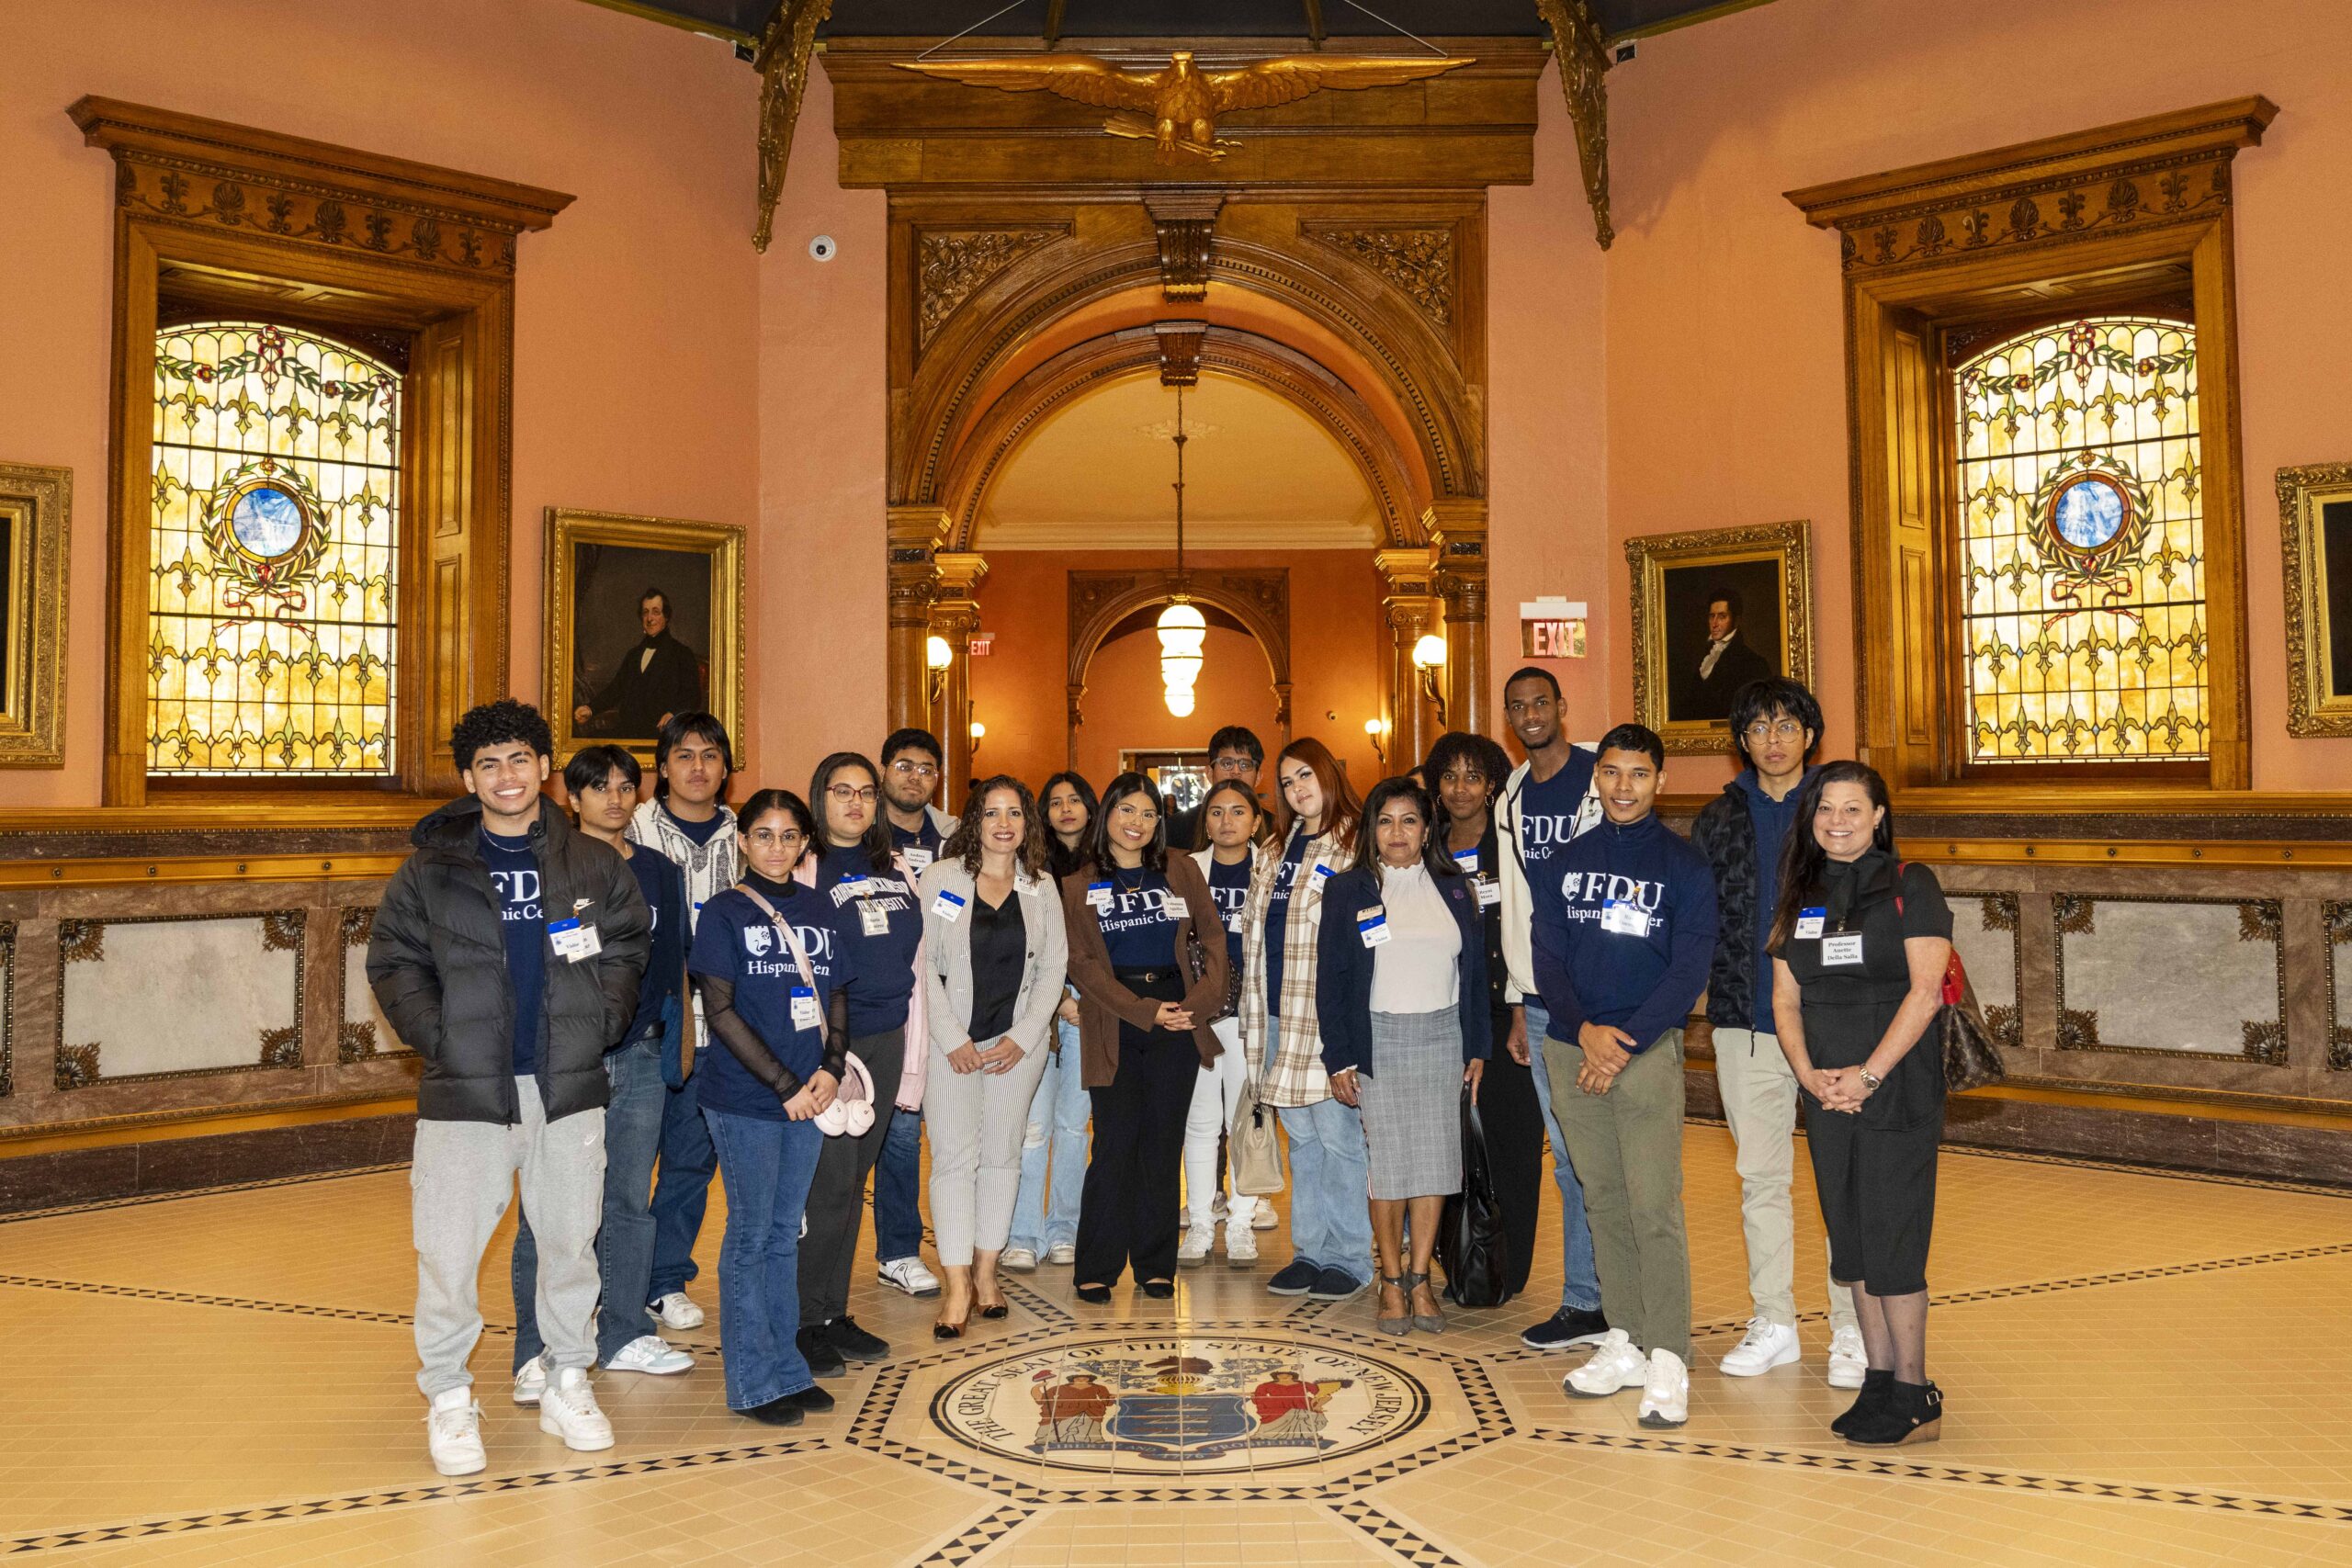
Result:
x=1432 y=1323
x=1399 y=1327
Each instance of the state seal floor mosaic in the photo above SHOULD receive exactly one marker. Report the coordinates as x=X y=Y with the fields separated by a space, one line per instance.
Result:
x=2142 y=1368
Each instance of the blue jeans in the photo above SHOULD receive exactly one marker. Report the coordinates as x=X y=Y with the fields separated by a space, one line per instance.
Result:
x=625 y=1240
x=1580 y=1279
x=1055 y=1143
x=1331 y=1188
x=684 y=1191
x=767 y=1167
x=898 y=1179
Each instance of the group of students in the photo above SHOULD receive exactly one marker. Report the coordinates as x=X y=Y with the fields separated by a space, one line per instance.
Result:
x=862 y=966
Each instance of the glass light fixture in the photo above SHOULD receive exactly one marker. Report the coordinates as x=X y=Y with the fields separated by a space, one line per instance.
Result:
x=1377 y=731
x=937 y=654
x=1183 y=630
x=1428 y=653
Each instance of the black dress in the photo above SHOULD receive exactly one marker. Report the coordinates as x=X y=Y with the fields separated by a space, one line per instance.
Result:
x=1508 y=1108
x=1875 y=1168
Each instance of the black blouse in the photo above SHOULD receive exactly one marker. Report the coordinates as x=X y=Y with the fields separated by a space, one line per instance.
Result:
x=1849 y=1004
x=999 y=956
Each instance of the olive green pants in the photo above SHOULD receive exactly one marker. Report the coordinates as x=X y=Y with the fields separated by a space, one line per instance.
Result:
x=1626 y=1146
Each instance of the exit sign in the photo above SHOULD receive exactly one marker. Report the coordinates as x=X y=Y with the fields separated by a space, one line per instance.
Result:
x=980 y=643
x=1552 y=628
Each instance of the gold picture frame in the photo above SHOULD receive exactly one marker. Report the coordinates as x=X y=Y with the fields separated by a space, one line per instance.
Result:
x=36 y=521
x=1762 y=575
x=603 y=567
x=2315 y=530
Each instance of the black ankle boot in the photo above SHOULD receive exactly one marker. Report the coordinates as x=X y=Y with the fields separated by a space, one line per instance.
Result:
x=1875 y=1384
x=1912 y=1413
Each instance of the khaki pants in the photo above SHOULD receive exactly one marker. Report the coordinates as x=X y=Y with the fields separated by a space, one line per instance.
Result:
x=1759 y=1096
x=1627 y=1147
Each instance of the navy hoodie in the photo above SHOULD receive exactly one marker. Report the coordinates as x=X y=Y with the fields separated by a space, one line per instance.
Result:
x=1640 y=967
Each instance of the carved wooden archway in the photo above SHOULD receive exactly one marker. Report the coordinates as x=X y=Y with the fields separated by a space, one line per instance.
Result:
x=1100 y=599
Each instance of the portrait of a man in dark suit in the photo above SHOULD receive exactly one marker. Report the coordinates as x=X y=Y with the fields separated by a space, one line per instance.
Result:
x=657 y=677
x=1727 y=662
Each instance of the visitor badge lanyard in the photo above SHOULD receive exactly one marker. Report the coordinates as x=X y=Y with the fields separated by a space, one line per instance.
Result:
x=1839 y=949
x=1490 y=892
x=871 y=920
x=1099 y=895
x=1372 y=925
x=948 y=907
x=575 y=940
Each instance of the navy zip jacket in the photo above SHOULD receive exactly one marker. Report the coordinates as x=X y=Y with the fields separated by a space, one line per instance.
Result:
x=1639 y=935
x=1343 y=970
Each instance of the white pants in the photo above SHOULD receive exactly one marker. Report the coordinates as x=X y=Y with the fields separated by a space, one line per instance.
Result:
x=1215 y=1094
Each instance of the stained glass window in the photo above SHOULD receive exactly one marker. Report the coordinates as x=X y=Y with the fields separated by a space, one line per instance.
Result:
x=275 y=566
x=2081 y=545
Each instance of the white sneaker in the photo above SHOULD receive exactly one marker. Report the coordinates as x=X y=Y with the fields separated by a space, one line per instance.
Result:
x=676 y=1310
x=649 y=1353
x=1768 y=1345
x=531 y=1380
x=1613 y=1365
x=1193 y=1249
x=1062 y=1254
x=1666 y=1396
x=453 y=1432
x=568 y=1410
x=911 y=1276
x=1019 y=1259
x=1847 y=1359
x=1241 y=1246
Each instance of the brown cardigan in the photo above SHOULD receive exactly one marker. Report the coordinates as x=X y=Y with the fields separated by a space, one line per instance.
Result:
x=1103 y=1003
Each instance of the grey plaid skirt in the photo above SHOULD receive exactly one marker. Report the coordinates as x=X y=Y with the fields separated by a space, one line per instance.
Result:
x=1412 y=1109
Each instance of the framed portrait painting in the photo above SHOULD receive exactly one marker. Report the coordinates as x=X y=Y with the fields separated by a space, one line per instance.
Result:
x=2316 y=524
x=1713 y=611
x=644 y=619
x=36 y=516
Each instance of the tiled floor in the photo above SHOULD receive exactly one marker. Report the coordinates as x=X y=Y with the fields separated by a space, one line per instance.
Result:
x=2140 y=1368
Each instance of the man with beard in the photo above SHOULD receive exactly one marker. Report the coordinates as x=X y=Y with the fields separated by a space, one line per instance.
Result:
x=657 y=680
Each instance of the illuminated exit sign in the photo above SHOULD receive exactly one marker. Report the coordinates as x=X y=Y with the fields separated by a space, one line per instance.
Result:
x=1552 y=628
x=982 y=643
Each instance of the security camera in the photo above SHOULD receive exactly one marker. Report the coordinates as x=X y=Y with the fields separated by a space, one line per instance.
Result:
x=821 y=248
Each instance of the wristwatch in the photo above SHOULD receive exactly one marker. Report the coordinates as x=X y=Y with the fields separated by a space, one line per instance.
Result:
x=1871 y=1080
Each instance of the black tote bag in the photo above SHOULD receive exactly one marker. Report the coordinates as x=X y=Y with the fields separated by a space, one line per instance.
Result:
x=1470 y=1239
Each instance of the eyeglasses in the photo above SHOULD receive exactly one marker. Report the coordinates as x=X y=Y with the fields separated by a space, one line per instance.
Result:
x=847 y=793
x=789 y=837
x=915 y=769
x=1773 y=729
x=1233 y=765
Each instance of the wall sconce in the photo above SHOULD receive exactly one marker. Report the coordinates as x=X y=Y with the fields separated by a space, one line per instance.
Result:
x=979 y=733
x=1375 y=730
x=936 y=657
x=1429 y=657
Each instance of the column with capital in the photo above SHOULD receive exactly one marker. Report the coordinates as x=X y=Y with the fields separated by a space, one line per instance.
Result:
x=954 y=616
x=1410 y=610
x=1457 y=532
x=916 y=534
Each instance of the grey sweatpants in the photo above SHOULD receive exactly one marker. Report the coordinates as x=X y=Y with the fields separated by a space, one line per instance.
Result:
x=459 y=1179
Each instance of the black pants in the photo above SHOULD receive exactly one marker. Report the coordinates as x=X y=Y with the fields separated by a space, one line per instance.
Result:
x=1128 y=1213
x=1514 y=1119
x=837 y=1195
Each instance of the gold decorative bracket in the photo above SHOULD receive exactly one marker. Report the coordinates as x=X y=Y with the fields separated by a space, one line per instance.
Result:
x=782 y=65
x=1185 y=221
x=1583 y=63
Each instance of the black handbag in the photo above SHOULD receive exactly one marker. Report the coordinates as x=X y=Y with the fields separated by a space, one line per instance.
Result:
x=1471 y=1243
x=1969 y=1059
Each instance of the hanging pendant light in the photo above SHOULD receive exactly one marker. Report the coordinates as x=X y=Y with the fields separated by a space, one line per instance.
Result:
x=1183 y=629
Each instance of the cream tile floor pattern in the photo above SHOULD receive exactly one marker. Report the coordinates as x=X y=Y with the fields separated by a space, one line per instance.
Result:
x=2143 y=1368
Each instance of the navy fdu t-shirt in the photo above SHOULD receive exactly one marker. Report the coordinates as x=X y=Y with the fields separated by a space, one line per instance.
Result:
x=1139 y=929
x=880 y=924
x=1229 y=886
x=735 y=942
x=514 y=874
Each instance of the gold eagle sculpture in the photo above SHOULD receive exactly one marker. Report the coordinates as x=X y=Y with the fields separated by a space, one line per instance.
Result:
x=1176 y=108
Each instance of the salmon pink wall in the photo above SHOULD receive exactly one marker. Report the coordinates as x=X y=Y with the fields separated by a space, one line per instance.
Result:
x=1725 y=381
x=635 y=360
x=1019 y=691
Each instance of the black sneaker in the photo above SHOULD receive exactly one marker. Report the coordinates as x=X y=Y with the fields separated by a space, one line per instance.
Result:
x=812 y=1400
x=1337 y=1285
x=1297 y=1276
x=1569 y=1325
x=818 y=1350
x=774 y=1413
x=844 y=1336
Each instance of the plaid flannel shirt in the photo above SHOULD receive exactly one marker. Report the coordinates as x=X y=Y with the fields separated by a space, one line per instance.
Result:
x=1298 y=1076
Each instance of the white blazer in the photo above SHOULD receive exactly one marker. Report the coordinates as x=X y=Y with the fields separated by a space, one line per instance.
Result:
x=947 y=957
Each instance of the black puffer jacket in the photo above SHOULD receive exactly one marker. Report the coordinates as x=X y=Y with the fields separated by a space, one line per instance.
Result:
x=438 y=962
x=1726 y=834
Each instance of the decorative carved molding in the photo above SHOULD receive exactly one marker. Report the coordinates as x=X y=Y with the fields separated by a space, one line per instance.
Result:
x=37 y=515
x=207 y=172
x=1184 y=220
x=2314 y=706
x=2143 y=173
x=782 y=62
x=952 y=265
x=1179 y=350
x=1584 y=67
x=1418 y=259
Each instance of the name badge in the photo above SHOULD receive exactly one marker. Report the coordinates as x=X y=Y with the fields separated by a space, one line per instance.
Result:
x=1468 y=860
x=1490 y=892
x=574 y=941
x=918 y=859
x=1099 y=895
x=859 y=887
x=804 y=1008
x=1372 y=925
x=948 y=907
x=1810 y=923
x=1233 y=923
x=1622 y=918
x=1321 y=871
x=1844 y=948
x=876 y=922
x=1176 y=907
